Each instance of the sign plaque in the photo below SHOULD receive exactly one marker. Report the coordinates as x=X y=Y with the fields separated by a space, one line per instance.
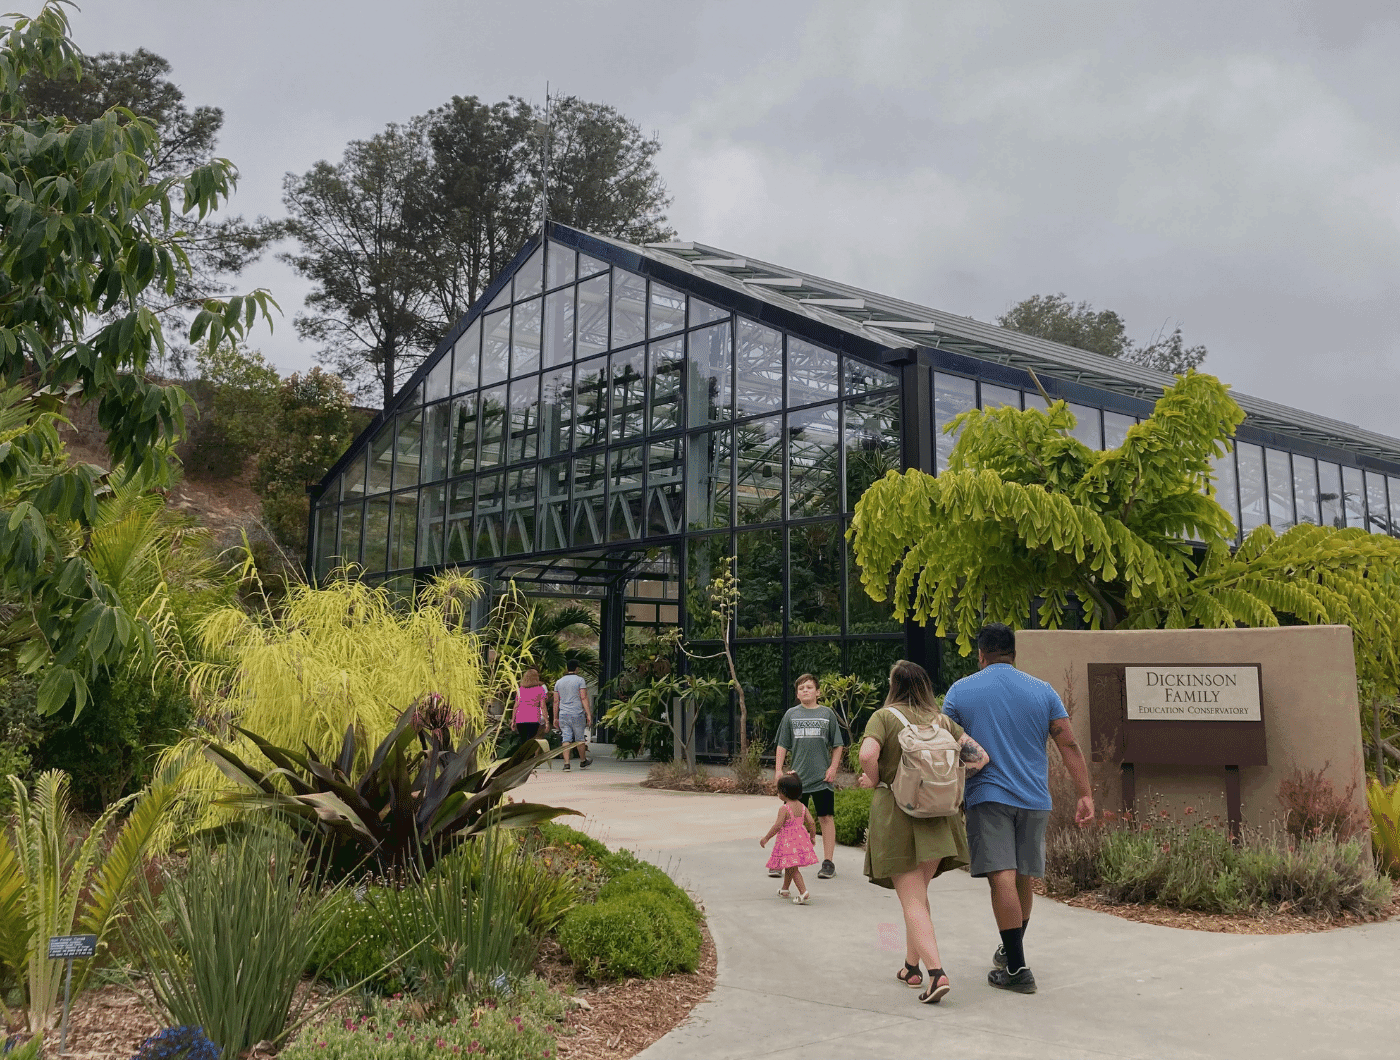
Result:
x=1192 y=693
x=67 y=947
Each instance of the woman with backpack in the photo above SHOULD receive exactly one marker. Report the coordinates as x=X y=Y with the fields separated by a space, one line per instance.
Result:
x=916 y=760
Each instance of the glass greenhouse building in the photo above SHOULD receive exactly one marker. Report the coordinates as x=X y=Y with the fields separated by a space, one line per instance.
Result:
x=616 y=421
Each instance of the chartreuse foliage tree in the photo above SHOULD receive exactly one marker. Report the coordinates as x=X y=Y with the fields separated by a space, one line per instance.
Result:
x=1025 y=512
x=87 y=233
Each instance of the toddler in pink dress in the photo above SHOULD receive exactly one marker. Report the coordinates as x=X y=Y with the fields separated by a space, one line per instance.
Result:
x=795 y=830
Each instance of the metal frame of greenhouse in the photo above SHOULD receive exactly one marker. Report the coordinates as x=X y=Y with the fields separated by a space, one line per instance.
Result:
x=616 y=421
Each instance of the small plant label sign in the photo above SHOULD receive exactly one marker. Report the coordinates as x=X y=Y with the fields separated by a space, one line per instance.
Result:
x=69 y=947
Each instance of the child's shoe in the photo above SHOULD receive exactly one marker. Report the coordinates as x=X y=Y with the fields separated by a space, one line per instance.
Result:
x=801 y=899
x=782 y=892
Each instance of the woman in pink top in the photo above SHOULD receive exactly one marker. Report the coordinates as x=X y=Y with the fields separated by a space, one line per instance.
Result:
x=529 y=704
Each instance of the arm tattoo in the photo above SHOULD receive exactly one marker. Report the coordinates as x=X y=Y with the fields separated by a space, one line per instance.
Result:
x=1061 y=728
x=970 y=751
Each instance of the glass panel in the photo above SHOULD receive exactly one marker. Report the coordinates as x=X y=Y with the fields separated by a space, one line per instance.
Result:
x=1305 y=489
x=525 y=338
x=628 y=391
x=464 y=413
x=325 y=538
x=524 y=419
x=438 y=385
x=432 y=510
x=625 y=493
x=559 y=327
x=554 y=504
x=1086 y=426
x=872 y=443
x=709 y=467
x=1115 y=428
x=520 y=511
x=814 y=444
x=759 y=484
x=408 y=450
x=557 y=411
x=1377 y=519
x=1353 y=496
x=1394 y=484
x=381 y=459
x=996 y=396
x=353 y=481
x=591 y=403
x=703 y=313
x=759 y=362
x=587 y=266
x=667 y=369
x=466 y=357
x=562 y=266
x=864 y=615
x=487 y=541
x=1280 y=477
x=760 y=668
x=495 y=347
x=1329 y=492
x=502 y=298
x=376 y=543
x=531 y=275
x=952 y=394
x=460 y=510
x=760 y=560
x=665 y=493
x=667 y=310
x=491 y=449
x=352 y=520
x=628 y=309
x=593 y=316
x=709 y=399
x=590 y=477
x=437 y=427
x=403 y=530
x=814 y=573
x=1250 y=459
x=813 y=373
x=861 y=378
x=706 y=558
x=1226 y=487
x=1035 y=401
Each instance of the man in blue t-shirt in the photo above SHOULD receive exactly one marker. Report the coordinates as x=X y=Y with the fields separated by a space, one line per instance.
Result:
x=1008 y=802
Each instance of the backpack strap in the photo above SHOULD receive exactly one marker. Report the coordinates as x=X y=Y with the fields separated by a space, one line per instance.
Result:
x=901 y=717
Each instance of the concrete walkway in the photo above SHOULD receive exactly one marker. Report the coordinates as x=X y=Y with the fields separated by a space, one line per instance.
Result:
x=817 y=981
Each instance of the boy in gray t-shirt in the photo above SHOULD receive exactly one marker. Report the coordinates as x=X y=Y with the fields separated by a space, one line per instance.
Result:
x=811 y=734
x=573 y=713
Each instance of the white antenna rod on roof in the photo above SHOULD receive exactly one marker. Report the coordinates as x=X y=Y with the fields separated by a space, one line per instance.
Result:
x=544 y=169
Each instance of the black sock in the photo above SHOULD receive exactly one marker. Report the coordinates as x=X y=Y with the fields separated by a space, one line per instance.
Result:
x=1024 y=923
x=1015 y=955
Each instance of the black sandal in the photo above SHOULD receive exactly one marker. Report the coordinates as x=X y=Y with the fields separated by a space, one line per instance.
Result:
x=908 y=974
x=935 y=993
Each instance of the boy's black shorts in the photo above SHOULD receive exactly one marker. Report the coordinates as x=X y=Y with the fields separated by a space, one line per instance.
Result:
x=822 y=803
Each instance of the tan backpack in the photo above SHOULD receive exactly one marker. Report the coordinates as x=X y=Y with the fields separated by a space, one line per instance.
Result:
x=929 y=781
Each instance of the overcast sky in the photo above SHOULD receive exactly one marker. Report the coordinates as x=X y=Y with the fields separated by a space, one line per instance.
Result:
x=1232 y=168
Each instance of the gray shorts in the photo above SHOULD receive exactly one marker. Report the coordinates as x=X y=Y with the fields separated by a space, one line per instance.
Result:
x=1001 y=837
x=573 y=728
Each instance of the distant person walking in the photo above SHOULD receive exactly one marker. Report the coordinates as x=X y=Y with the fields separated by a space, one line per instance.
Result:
x=902 y=852
x=573 y=714
x=795 y=831
x=1008 y=803
x=530 y=704
x=810 y=733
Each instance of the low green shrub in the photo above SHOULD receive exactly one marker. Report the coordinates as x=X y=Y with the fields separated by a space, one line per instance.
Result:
x=640 y=935
x=648 y=879
x=357 y=945
x=852 y=815
x=1072 y=860
x=521 y=1026
x=561 y=835
x=538 y=893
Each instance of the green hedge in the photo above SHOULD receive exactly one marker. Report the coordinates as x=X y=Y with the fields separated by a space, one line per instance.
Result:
x=648 y=879
x=852 y=815
x=640 y=935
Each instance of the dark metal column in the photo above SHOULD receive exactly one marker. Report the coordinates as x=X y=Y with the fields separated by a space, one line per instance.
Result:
x=612 y=617
x=918 y=451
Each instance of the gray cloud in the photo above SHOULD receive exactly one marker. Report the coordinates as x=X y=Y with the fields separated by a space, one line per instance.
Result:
x=1232 y=168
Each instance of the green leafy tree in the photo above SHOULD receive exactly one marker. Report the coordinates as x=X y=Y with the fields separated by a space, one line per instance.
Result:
x=89 y=235
x=404 y=233
x=236 y=393
x=1026 y=516
x=1078 y=324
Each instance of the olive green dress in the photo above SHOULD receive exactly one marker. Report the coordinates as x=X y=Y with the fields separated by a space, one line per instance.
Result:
x=896 y=842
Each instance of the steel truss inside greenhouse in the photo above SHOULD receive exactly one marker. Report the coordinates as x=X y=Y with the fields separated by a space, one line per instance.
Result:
x=619 y=421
